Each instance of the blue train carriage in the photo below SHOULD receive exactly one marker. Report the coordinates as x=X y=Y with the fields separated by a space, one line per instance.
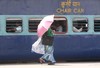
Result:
x=78 y=40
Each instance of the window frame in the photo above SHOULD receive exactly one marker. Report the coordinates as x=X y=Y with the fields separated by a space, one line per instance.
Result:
x=96 y=18
x=33 y=19
x=12 y=19
x=66 y=24
x=81 y=19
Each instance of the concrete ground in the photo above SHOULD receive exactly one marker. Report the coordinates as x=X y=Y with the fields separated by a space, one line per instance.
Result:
x=57 y=65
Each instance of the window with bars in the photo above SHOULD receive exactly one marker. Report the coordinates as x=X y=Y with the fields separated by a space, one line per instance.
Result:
x=97 y=24
x=33 y=24
x=80 y=25
x=13 y=25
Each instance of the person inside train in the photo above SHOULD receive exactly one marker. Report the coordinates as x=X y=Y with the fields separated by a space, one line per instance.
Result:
x=59 y=27
x=18 y=28
x=77 y=27
x=77 y=30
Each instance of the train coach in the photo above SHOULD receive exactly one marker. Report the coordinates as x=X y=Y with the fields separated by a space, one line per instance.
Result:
x=69 y=44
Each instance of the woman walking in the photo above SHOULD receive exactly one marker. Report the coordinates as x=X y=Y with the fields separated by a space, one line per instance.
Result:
x=47 y=41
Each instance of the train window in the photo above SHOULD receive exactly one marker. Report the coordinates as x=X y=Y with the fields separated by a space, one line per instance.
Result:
x=59 y=25
x=13 y=25
x=97 y=24
x=80 y=25
x=33 y=23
